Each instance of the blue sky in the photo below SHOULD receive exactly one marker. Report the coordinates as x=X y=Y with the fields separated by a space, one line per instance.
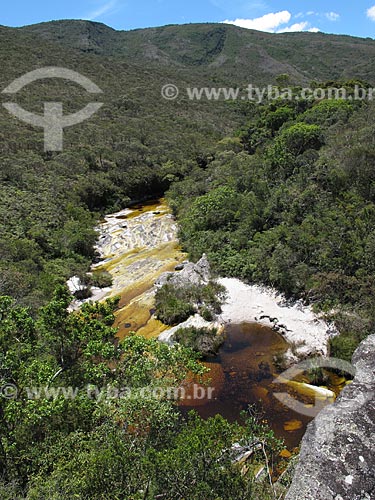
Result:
x=348 y=17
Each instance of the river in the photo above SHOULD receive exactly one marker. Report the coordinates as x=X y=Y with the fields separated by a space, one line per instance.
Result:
x=136 y=246
x=242 y=374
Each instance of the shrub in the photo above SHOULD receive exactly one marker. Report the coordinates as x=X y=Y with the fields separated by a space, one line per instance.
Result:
x=343 y=346
x=202 y=340
x=328 y=112
x=175 y=304
x=300 y=137
x=207 y=314
x=101 y=279
x=170 y=309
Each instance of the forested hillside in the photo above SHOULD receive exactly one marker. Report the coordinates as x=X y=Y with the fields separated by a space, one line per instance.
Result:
x=222 y=52
x=289 y=202
x=130 y=150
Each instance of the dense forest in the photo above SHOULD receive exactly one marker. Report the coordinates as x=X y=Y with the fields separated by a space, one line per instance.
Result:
x=289 y=201
x=93 y=442
x=281 y=193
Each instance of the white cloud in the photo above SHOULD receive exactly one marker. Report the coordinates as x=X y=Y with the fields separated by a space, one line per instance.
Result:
x=273 y=22
x=304 y=26
x=332 y=16
x=294 y=27
x=371 y=13
x=269 y=22
x=100 y=11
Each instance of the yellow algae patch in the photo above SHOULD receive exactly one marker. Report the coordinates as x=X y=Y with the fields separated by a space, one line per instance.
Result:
x=144 y=266
x=151 y=206
x=113 y=260
x=132 y=318
x=137 y=300
x=285 y=453
x=336 y=382
x=152 y=329
x=293 y=425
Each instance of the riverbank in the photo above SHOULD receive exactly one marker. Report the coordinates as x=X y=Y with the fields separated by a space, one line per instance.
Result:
x=139 y=248
x=306 y=333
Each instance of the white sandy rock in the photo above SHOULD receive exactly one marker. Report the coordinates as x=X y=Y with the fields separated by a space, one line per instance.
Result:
x=298 y=324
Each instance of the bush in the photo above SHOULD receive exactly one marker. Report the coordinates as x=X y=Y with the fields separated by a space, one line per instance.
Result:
x=343 y=346
x=207 y=314
x=300 y=137
x=174 y=304
x=203 y=340
x=170 y=309
x=215 y=210
x=101 y=279
x=328 y=112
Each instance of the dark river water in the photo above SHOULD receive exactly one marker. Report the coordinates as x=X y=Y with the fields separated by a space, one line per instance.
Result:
x=242 y=374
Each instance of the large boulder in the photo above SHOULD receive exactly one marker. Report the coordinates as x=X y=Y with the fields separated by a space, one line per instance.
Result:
x=337 y=460
x=191 y=274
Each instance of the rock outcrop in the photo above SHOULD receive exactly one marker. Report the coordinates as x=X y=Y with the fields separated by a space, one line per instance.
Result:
x=188 y=274
x=337 y=460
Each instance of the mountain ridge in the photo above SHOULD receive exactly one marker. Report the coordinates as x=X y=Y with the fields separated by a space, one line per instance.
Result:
x=224 y=50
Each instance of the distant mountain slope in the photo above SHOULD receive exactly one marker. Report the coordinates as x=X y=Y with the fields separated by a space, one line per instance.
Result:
x=225 y=50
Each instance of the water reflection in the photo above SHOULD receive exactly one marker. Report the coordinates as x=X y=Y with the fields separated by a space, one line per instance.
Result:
x=242 y=374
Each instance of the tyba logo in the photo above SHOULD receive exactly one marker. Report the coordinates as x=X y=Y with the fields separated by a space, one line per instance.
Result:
x=53 y=121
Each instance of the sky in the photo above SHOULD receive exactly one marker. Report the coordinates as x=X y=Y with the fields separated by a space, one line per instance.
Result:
x=335 y=16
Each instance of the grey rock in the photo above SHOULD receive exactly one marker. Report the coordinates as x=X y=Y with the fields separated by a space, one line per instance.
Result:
x=337 y=460
x=190 y=274
x=164 y=279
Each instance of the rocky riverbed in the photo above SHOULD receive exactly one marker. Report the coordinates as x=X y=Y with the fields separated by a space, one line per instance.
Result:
x=135 y=247
x=139 y=248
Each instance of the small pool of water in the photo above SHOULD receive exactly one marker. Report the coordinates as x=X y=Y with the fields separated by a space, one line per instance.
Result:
x=242 y=374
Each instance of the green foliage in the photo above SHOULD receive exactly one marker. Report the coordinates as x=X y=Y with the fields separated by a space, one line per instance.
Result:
x=170 y=309
x=175 y=303
x=101 y=279
x=343 y=346
x=198 y=463
x=300 y=137
x=217 y=209
x=205 y=341
x=301 y=208
x=95 y=418
x=328 y=112
x=275 y=119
